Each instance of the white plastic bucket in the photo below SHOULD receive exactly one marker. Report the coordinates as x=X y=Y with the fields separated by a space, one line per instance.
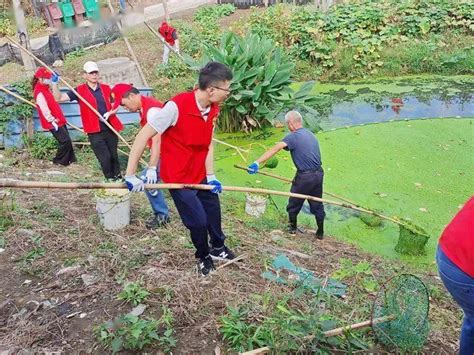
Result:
x=255 y=204
x=113 y=208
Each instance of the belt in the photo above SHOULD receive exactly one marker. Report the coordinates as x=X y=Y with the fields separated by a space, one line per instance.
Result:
x=309 y=171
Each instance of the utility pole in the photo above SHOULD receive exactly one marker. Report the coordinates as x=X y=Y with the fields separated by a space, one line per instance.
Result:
x=28 y=62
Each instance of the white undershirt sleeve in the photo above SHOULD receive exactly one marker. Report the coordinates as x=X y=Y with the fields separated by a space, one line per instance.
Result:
x=163 y=118
x=43 y=106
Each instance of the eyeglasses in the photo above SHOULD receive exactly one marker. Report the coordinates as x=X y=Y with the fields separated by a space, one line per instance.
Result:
x=226 y=90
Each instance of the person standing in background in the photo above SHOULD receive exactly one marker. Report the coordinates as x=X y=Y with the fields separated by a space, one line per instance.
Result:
x=51 y=116
x=171 y=38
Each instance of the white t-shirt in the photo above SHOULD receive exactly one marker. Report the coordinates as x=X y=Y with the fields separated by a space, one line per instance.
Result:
x=163 y=118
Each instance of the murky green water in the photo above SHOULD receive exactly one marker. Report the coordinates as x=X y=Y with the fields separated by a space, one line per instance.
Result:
x=347 y=104
x=419 y=170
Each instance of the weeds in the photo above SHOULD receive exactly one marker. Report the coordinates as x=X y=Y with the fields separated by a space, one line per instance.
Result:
x=43 y=146
x=133 y=333
x=35 y=253
x=134 y=293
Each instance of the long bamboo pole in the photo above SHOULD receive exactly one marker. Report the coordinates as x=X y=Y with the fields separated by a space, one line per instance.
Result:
x=367 y=323
x=71 y=88
x=351 y=204
x=32 y=104
x=290 y=181
x=73 y=185
x=129 y=47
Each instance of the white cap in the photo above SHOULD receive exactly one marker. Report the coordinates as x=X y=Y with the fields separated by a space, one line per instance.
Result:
x=89 y=67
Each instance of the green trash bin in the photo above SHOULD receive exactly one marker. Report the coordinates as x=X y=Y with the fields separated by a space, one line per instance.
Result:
x=68 y=13
x=92 y=9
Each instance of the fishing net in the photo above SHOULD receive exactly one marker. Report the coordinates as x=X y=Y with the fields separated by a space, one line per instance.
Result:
x=412 y=239
x=400 y=313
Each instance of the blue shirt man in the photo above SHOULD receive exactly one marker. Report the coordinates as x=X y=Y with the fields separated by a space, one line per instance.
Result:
x=306 y=155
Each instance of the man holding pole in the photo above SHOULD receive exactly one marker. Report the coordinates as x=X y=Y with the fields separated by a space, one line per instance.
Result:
x=103 y=141
x=185 y=126
x=170 y=36
x=149 y=108
x=305 y=153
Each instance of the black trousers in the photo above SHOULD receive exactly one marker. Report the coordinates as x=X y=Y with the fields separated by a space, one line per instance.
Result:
x=200 y=212
x=65 y=153
x=104 y=144
x=307 y=183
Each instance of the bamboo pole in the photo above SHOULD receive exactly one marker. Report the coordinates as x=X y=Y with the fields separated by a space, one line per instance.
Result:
x=290 y=181
x=71 y=88
x=351 y=204
x=71 y=185
x=32 y=104
x=367 y=323
x=129 y=47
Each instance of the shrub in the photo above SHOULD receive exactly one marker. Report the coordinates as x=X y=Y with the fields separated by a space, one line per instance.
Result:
x=261 y=84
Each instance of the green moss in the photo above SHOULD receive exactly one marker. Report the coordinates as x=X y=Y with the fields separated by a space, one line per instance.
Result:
x=412 y=240
x=271 y=163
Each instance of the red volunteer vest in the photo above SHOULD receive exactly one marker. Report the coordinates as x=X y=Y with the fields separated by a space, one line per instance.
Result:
x=148 y=103
x=52 y=105
x=457 y=240
x=184 y=147
x=167 y=32
x=90 y=121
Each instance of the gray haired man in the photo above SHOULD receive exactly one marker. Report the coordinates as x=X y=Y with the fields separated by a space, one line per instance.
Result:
x=305 y=153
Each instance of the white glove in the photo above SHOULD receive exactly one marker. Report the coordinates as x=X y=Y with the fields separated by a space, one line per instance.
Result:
x=134 y=184
x=55 y=125
x=105 y=117
x=151 y=176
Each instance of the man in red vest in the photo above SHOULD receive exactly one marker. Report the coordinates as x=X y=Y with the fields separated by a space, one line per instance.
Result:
x=185 y=126
x=455 y=259
x=103 y=141
x=129 y=97
x=170 y=36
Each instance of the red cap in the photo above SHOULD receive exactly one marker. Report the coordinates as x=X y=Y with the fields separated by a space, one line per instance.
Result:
x=118 y=91
x=43 y=73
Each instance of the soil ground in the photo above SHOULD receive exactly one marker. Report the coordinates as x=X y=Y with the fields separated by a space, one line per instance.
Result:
x=41 y=310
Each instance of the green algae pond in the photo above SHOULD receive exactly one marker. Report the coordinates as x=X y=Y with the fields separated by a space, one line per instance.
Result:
x=421 y=170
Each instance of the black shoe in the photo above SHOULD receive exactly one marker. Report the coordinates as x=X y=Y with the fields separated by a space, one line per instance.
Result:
x=320 y=231
x=205 y=266
x=292 y=225
x=223 y=253
x=157 y=221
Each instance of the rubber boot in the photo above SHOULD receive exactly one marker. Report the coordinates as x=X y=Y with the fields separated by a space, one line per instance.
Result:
x=320 y=231
x=292 y=223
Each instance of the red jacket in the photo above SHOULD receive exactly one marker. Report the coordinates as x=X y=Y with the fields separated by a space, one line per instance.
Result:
x=457 y=240
x=90 y=120
x=148 y=103
x=52 y=105
x=184 y=147
x=167 y=32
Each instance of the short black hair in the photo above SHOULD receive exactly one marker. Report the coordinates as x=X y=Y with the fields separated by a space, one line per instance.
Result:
x=213 y=72
x=133 y=90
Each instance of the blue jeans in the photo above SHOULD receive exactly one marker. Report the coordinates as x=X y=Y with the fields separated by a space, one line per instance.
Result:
x=156 y=198
x=461 y=287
